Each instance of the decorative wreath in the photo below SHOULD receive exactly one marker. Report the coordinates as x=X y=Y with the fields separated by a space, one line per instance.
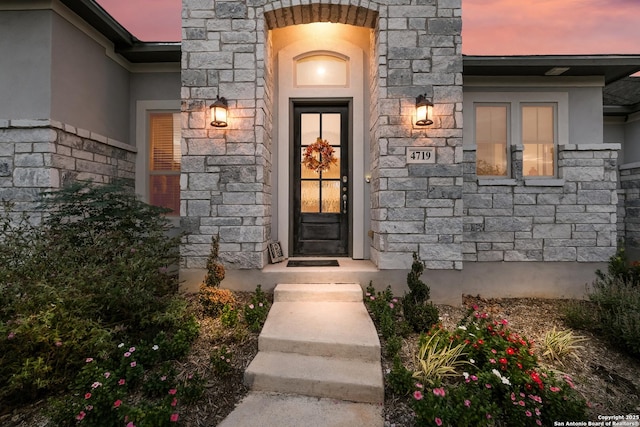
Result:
x=327 y=157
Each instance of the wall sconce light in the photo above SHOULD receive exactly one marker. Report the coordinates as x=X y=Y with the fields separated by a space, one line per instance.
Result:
x=424 y=111
x=218 y=112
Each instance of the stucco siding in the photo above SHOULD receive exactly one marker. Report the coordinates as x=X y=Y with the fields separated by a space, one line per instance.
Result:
x=25 y=61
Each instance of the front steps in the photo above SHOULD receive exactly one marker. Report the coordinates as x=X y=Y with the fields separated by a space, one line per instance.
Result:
x=319 y=341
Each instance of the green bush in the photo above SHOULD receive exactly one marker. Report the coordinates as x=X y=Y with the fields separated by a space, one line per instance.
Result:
x=256 y=311
x=95 y=272
x=418 y=312
x=614 y=311
x=496 y=381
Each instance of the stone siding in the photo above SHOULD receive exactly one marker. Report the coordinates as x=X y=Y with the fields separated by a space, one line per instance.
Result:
x=572 y=218
x=38 y=155
x=417 y=207
x=629 y=205
x=226 y=174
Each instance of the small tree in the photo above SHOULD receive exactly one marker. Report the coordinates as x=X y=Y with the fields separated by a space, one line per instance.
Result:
x=419 y=313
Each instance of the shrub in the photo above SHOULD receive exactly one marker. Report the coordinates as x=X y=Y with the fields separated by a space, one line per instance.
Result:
x=221 y=360
x=213 y=300
x=502 y=383
x=229 y=316
x=438 y=357
x=420 y=314
x=557 y=345
x=96 y=271
x=256 y=311
x=400 y=379
x=615 y=312
x=215 y=269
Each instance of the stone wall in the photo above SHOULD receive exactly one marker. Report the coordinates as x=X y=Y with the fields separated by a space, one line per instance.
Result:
x=418 y=207
x=38 y=155
x=226 y=174
x=629 y=206
x=572 y=218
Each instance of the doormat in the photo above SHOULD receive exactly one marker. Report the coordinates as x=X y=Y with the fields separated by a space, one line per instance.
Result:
x=313 y=263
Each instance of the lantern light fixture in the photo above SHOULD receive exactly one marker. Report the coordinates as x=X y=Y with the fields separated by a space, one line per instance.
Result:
x=218 y=112
x=424 y=111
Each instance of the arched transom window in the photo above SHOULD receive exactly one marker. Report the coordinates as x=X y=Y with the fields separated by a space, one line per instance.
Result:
x=321 y=69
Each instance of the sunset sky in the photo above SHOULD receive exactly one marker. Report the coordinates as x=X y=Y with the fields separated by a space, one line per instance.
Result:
x=490 y=27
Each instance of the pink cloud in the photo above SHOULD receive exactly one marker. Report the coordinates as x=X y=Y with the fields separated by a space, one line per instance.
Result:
x=148 y=20
x=489 y=27
x=507 y=27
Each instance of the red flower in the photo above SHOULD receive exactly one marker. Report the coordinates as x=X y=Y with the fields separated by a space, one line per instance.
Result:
x=503 y=360
x=511 y=351
x=174 y=418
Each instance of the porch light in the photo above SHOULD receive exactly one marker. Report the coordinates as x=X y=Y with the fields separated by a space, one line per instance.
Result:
x=219 y=112
x=424 y=110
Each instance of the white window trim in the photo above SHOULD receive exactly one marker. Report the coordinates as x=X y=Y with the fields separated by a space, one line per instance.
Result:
x=516 y=100
x=143 y=110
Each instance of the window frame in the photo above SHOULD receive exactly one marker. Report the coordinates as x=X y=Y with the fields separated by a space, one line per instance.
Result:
x=144 y=109
x=508 y=137
x=516 y=99
x=555 y=137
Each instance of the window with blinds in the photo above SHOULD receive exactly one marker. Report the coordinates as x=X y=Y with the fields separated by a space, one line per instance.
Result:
x=164 y=161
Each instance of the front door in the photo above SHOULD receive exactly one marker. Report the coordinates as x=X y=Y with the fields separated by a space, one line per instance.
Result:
x=321 y=197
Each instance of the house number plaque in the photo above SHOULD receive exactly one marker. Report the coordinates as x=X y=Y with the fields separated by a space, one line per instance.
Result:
x=421 y=155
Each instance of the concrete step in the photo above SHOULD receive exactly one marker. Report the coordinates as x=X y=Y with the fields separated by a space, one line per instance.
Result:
x=345 y=379
x=325 y=292
x=332 y=329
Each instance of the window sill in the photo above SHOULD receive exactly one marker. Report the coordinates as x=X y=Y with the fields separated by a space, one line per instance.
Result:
x=542 y=182
x=497 y=181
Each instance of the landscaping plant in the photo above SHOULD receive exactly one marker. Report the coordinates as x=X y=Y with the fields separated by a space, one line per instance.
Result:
x=497 y=381
x=614 y=309
x=95 y=273
x=256 y=311
x=419 y=312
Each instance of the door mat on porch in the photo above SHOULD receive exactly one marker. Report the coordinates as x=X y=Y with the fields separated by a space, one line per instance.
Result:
x=313 y=263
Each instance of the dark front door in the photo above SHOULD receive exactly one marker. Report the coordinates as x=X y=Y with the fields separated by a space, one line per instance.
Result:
x=321 y=198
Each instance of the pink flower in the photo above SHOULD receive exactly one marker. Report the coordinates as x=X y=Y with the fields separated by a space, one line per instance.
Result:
x=81 y=416
x=121 y=382
x=87 y=396
x=487 y=385
x=11 y=335
x=417 y=395
x=251 y=306
x=504 y=322
x=419 y=385
x=492 y=361
x=117 y=403
x=89 y=360
x=521 y=403
x=539 y=422
x=132 y=349
x=489 y=416
x=127 y=354
x=528 y=413
x=96 y=385
x=474 y=378
x=58 y=343
x=372 y=298
x=174 y=418
x=173 y=391
x=88 y=407
x=107 y=374
x=131 y=424
x=133 y=364
x=467 y=403
x=439 y=392
x=554 y=389
x=438 y=421
x=163 y=378
x=174 y=402
x=260 y=305
x=390 y=305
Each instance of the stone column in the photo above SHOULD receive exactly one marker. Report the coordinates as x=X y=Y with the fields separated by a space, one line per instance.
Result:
x=418 y=207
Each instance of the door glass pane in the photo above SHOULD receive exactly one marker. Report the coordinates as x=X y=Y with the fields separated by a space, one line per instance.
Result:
x=310 y=196
x=331 y=196
x=491 y=140
x=538 y=136
x=165 y=192
x=334 y=170
x=309 y=128
x=331 y=129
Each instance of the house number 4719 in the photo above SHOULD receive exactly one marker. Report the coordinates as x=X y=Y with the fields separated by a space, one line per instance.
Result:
x=421 y=155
